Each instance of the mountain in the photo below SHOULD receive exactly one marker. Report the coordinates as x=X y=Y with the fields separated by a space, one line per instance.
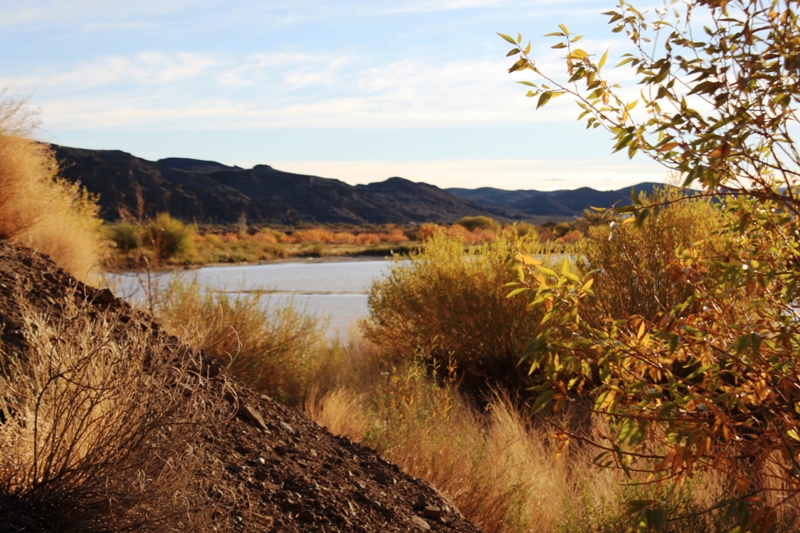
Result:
x=210 y=192
x=207 y=191
x=521 y=204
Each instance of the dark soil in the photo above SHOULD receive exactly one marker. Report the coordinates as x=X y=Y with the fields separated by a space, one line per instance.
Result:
x=266 y=468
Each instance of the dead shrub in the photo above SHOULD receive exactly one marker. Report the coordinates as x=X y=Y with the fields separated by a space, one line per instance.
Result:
x=97 y=423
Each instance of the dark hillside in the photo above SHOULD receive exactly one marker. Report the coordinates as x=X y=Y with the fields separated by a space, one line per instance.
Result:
x=206 y=191
x=249 y=464
x=521 y=204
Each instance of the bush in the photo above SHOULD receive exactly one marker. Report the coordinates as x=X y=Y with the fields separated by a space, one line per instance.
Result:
x=451 y=306
x=96 y=423
x=169 y=238
x=276 y=350
x=37 y=208
x=637 y=269
x=479 y=222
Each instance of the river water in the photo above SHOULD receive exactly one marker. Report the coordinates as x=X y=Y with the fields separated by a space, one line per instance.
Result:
x=335 y=290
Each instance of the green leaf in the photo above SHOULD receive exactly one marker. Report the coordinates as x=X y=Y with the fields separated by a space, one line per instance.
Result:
x=544 y=98
x=516 y=291
x=541 y=401
x=546 y=271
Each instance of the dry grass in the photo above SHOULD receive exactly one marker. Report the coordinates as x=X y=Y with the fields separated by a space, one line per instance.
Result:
x=501 y=470
x=97 y=422
x=274 y=349
x=39 y=210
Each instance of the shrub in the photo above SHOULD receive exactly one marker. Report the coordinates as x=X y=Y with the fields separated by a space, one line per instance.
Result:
x=637 y=269
x=315 y=235
x=40 y=210
x=479 y=222
x=96 y=423
x=276 y=350
x=451 y=306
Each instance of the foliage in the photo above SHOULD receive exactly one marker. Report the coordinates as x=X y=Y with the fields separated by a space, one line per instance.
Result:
x=451 y=306
x=276 y=350
x=479 y=222
x=37 y=208
x=155 y=242
x=710 y=383
x=635 y=267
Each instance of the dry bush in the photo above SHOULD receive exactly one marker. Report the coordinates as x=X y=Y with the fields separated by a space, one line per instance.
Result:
x=315 y=235
x=427 y=230
x=394 y=236
x=637 y=268
x=266 y=236
x=98 y=420
x=450 y=305
x=43 y=212
x=368 y=238
x=344 y=237
x=277 y=350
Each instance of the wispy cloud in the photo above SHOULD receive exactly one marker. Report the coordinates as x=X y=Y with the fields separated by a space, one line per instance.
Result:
x=151 y=68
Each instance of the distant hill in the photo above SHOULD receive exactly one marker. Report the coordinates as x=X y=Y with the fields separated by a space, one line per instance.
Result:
x=210 y=192
x=522 y=204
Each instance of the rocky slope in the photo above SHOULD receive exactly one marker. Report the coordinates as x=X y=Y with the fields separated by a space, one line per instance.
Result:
x=262 y=467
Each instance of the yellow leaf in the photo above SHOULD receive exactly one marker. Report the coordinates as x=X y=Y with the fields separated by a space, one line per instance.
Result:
x=602 y=60
x=527 y=260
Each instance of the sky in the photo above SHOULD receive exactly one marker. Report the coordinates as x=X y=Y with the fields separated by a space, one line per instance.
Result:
x=354 y=90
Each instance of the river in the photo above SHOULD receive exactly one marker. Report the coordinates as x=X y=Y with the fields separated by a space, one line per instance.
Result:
x=336 y=290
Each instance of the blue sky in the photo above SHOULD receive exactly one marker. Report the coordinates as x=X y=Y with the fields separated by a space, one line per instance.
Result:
x=358 y=91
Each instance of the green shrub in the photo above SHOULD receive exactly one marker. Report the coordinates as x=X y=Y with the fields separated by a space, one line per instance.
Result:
x=451 y=306
x=479 y=222
x=168 y=238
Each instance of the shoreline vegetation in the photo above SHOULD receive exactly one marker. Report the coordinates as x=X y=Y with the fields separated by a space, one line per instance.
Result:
x=165 y=242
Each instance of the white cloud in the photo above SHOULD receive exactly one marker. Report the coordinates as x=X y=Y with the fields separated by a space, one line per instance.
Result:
x=151 y=68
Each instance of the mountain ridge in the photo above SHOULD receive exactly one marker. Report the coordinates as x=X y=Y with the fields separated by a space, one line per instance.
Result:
x=210 y=192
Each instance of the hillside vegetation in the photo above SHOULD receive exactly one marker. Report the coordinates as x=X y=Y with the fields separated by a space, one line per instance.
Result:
x=38 y=208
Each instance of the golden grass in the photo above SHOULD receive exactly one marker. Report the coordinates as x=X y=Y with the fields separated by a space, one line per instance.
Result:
x=499 y=468
x=43 y=212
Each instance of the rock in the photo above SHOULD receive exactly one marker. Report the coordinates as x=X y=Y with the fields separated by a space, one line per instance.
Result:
x=252 y=416
x=420 y=524
x=432 y=512
x=287 y=428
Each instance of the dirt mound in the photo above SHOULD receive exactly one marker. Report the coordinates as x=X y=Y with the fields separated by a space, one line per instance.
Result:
x=262 y=467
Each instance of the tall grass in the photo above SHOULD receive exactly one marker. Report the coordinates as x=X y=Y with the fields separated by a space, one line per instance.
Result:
x=37 y=208
x=501 y=469
x=97 y=422
x=274 y=349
